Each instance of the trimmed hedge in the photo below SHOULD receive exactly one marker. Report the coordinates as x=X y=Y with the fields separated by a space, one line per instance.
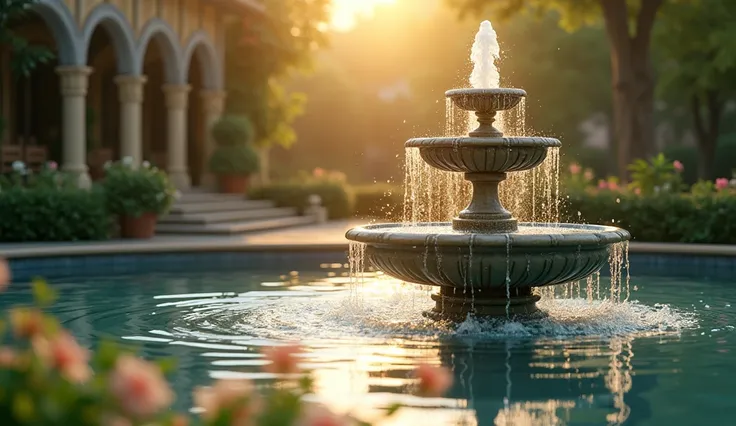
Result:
x=383 y=201
x=336 y=196
x=51 y=214
x=663 y=217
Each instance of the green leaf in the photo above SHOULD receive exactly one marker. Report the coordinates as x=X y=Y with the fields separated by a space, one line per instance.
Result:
x=43 y=294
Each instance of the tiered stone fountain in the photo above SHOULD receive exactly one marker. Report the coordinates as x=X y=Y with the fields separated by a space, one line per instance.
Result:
x=485 y=262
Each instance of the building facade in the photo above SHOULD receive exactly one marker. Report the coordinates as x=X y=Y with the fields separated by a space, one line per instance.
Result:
x=130 y=78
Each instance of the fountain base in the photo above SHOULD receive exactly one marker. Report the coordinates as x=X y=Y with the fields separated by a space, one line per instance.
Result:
x=453 y=304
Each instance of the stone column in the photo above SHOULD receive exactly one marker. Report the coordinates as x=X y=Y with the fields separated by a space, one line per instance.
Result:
x=177 y=98
x=213 y=102
x=130 y=92
x=74 y=82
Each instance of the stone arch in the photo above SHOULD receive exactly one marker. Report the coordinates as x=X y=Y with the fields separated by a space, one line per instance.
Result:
x=119 y=30
x=159 y=31
x=66 y=34
x=201 y=46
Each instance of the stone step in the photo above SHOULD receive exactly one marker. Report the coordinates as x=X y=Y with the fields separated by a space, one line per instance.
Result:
x=229 y=228
x=219 y=206
x=228 y=216
x=207 y=197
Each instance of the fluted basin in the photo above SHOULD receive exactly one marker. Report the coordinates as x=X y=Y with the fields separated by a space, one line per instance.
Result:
x=487 y=274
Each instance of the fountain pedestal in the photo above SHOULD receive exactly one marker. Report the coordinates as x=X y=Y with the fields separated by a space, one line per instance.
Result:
x=485 y=213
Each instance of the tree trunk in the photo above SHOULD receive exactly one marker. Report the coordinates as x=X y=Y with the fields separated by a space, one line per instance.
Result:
x=707 y=130
x=633 y=80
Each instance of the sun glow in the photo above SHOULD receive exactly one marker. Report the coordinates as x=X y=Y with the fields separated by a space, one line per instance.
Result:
x=346 y=13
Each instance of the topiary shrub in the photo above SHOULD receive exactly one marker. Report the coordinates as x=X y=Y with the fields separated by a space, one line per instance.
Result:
x=237 y=160
x=232 y=130
x=131 y=191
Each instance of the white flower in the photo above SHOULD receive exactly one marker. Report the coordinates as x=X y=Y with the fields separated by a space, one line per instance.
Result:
x=19 y=166
x=146 y=164
x=128 y=161
x=108 y=164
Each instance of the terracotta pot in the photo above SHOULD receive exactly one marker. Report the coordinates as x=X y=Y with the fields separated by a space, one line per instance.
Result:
x=143 y=227
x=232 y=184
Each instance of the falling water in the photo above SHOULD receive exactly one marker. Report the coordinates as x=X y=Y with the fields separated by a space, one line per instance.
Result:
x=356 y=260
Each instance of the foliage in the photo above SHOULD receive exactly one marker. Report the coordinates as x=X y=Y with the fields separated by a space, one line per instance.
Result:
x=49 y=379
x=578 y=179
x=240 y=160
x=26 y=56
x=724 y=164
x=284 y=40
x=699 y=71
x=384 y=201
x=232 y=130
x=336 y=195
x=660 y=217
x=48 y=206
x=133 y=191
x=659 y=174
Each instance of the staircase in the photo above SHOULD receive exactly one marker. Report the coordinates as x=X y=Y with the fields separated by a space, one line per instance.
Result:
x=203 y=213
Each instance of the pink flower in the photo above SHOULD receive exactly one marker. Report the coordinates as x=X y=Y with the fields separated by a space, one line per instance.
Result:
x=433 y=381
x=602 y=184
x=721 y=184
x=228 y=395
x=318 y=172
x=612 y=185
x=4 y=274
x=637 y=191
x=588 y=174
x=139 y=387
x=52 y=165
x=678 y=166
x=64 y=353
x=575 y=168
x=319 y=415
x=283 y=359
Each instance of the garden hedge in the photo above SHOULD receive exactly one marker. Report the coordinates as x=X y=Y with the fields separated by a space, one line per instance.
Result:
x=50 y=214
x=336 y=196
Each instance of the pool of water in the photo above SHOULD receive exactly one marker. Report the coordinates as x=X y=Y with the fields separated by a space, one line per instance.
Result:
x=661 y=359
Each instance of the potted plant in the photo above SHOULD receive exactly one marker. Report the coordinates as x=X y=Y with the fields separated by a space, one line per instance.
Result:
x=138 y=196
x=234 y=159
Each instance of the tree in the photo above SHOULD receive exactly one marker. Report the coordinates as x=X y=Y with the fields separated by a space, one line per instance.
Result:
x=25 y=56
x=697 y=43
x=629 y=25
x=262 y=53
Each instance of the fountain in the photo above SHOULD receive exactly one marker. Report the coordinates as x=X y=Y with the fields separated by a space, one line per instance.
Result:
x=485 y=262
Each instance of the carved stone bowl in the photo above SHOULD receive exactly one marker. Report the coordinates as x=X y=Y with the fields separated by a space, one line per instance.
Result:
x=488 y=274
x=483 y=155
x=485 y=100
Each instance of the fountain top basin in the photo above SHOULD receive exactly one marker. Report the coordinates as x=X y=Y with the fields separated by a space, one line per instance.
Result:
x=485 y=100
x=529 y=235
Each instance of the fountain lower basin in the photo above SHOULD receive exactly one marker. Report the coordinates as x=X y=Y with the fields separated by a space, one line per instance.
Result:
x=487 y=274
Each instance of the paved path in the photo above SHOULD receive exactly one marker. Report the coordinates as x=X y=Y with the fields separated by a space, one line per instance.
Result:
x=328 y=236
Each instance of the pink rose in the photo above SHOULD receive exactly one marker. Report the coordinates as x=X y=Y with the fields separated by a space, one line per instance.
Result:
x=318 y=415
x=721 y=184
x=52 y=165
x=433 y=381
x=283 y=359
x=588 y=174
x=318 y=172
x=602 y=184
x=139 y=387
x=228 y=395
x=678 y=166
x=612 y=186
x=575 y=168
x=64 y=353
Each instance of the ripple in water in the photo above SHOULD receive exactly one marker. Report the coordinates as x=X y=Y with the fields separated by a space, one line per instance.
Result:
x=386 y=309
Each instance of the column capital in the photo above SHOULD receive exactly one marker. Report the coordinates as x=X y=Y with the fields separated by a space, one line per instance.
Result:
x=177 y=95
x=213 y=101
x=74 y=80
x=130 y=88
